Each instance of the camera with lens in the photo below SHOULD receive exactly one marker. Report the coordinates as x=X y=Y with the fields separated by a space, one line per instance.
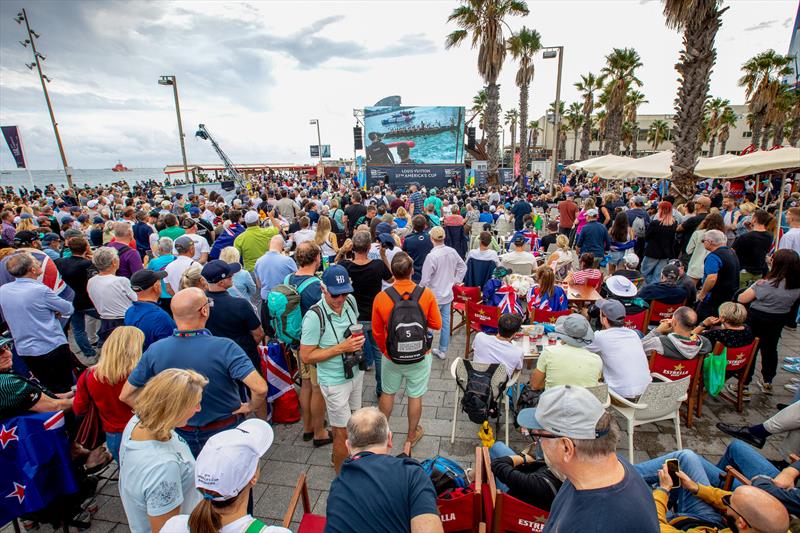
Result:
x=351 y=360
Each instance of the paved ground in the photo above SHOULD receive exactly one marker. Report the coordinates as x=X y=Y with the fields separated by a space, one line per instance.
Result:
x=290 y=456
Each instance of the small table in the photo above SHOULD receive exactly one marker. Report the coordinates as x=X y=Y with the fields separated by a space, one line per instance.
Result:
x=581 y=294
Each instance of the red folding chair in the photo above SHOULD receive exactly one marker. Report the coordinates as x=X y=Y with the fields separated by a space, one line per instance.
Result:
x=675 y=369
x=739 y=362
x=659 y=311
x=637 y=321
x=463 y=514
x=508 y=514
x=478 y=317
x=309 y=523
x=548 y=317
x=462 y=295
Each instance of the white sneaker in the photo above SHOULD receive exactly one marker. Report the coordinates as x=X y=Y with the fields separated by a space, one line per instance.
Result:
x=792 y=387
x=440 y=354
x=733 y=389
x=794 y=380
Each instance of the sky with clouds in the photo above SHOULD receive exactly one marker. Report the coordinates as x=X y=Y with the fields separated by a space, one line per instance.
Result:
x=255 y=72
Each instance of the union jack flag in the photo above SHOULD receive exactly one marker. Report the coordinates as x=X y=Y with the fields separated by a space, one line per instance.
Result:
x=509 y=302
x=275 y=369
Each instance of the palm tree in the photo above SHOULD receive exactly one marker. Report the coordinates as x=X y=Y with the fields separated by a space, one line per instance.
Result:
x=628 y=136
x=601 y=119
x=587 y=86
x=779 y=114
x=534 y=129
x=727 y=120
x=761 y=81
x=715 y=108
x=483 y=20
x=658 y=131
x=574 y=120
x=479 y=108
x=557 y=142
x=632 y=103
x=794 y=120
x=511 y=119
x=522 y=46
x=699 y=21
x=618 y=76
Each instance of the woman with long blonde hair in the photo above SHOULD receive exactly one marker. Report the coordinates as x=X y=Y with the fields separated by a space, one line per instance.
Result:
x=102 y=384
x=193 y=277
x=325 y=239
x=156 y=474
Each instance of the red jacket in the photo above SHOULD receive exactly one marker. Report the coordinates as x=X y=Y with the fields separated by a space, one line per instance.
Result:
x=113 y=413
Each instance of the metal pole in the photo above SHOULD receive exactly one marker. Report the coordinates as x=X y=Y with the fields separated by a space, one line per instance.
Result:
x=47 y=99
x=180 y=131
x=558 y=118
x=780 y=207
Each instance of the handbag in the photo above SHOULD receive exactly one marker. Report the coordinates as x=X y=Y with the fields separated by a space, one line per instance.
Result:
x=714 y=372
x=90 y=433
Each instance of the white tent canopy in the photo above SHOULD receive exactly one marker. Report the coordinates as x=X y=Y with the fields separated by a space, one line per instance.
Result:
x=596 y=163
x=651 y=166
x=761 y=161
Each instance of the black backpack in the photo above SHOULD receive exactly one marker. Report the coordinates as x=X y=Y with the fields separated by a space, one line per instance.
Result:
x=478 y=402
x=407 y=336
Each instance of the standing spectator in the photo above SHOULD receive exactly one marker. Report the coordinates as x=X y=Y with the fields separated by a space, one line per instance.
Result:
x=753 y=247
x=38 y=336
x=772 y=301
x=791 y=239
x=442 y=269
x=145 y=313
x=243 y=284
x=519 y=210
x=286 y=206
x=193 y=347
x=694 y=248
x=622 y=240
x=721 y=274
x=141 y=233
x=567 y=211
x=231 y=317
x=688 y=226
x=255 y=240
x=499 y=348
x=270 y=270
x=158 y=264
x=171 y=227
x=324 y=342
x=418 y=245
x=129 y=259
x=637 y=211
x=8 y=229
x=111 y=294
x=367 y=276
x=51 y=245
x=102 y=384
x=230 y=230
x=659 y=243
x=416 y=374
x=201 y=246
x=579 y=440
x=354 y=212
x=568 y=363
x=156 y=466
x=175 y=268
x=416 y=202
x=593 y=237
x=625 y=365
x=75 y=271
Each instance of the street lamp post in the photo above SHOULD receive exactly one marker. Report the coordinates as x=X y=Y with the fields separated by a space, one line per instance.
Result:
x=549 y=53
x=21 y=17
x=172 y=80
x=319 y=138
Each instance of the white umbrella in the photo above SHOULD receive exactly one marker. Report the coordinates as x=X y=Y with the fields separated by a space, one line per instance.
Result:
x=762 y=161
x=652 y=166
x=596 y=163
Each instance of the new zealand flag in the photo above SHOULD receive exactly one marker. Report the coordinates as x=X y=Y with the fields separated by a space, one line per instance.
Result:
x=34 y=463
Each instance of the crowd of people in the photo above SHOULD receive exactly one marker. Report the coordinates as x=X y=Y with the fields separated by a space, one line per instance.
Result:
x=154 y=308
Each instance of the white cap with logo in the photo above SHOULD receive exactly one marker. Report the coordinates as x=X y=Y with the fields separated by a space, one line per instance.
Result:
x=229 y=460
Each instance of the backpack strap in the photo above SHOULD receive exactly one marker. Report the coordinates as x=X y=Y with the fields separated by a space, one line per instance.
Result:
x=321 y=316
x=286 y=279
x=306 y=283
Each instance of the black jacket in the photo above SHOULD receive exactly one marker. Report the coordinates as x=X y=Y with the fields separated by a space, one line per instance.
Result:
x=533 y=483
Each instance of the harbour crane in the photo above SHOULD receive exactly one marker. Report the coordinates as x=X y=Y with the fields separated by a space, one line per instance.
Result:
x=204 y=134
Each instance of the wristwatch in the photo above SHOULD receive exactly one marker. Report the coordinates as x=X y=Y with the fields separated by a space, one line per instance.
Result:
x=524 y=459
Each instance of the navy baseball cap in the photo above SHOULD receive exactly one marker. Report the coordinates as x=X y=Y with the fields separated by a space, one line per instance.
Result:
x=217 y=270
x=383 y=227
x=336 y=280
x=144 y=279
x=194 y=211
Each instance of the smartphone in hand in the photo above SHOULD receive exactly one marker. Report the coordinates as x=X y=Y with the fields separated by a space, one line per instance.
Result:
x=673 y=467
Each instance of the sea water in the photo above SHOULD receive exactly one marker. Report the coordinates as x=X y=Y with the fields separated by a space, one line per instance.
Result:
x=81 y=176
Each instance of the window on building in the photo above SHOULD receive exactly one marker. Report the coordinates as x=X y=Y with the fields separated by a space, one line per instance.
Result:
x=747 y=134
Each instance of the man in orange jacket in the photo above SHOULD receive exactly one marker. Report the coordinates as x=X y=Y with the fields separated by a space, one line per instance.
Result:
x=416 y=374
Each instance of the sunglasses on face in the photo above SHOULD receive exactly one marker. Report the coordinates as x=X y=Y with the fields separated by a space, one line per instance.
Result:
x=726 y=501
x=209 y=303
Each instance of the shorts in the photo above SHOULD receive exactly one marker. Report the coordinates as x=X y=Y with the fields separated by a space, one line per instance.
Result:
x=307 y=371
x=416 y=375
x=341 y=400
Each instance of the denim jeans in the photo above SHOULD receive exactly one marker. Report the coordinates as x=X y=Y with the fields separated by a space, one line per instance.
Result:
x=746 y=460
x=197 y=438
x=113 y=441
x=372 y=353
x=651 y=269
x=444 y=334
x=78 y=323
x=686 y=504
x=500 y=449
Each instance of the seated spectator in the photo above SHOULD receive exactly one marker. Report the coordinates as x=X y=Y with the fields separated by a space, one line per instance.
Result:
x=561 y=260
x=729 y=328
x=225 y=473
x=622 y=289
x=674 y=337
x=625 y=366
x=499 y=348
x=667 y=290
x=685 y=281
x=519 y=256
x=630 y=268
x=569 y=363
x=787 y=420
x=102 y=384
x=587 y=274
x=552 y=235
x=546 y=295
x=157 y=466
x=601 y=492
x=375 y=491
x=484 y=252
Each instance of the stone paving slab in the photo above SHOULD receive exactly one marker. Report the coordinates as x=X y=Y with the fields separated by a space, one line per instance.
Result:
x=290 y=456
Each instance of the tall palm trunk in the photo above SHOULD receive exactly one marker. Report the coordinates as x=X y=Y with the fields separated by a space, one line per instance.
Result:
x=513 y=143
x=575 y=145
x=586 y=132
x=634 y=135
x=534 y=138
x=711 y=142
x=523 y=130
x=696 y=61
x=492 y=129
x=794 y=135
x=778 y=131
x=758 y=126
x=614 y=129
x=765 y=136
